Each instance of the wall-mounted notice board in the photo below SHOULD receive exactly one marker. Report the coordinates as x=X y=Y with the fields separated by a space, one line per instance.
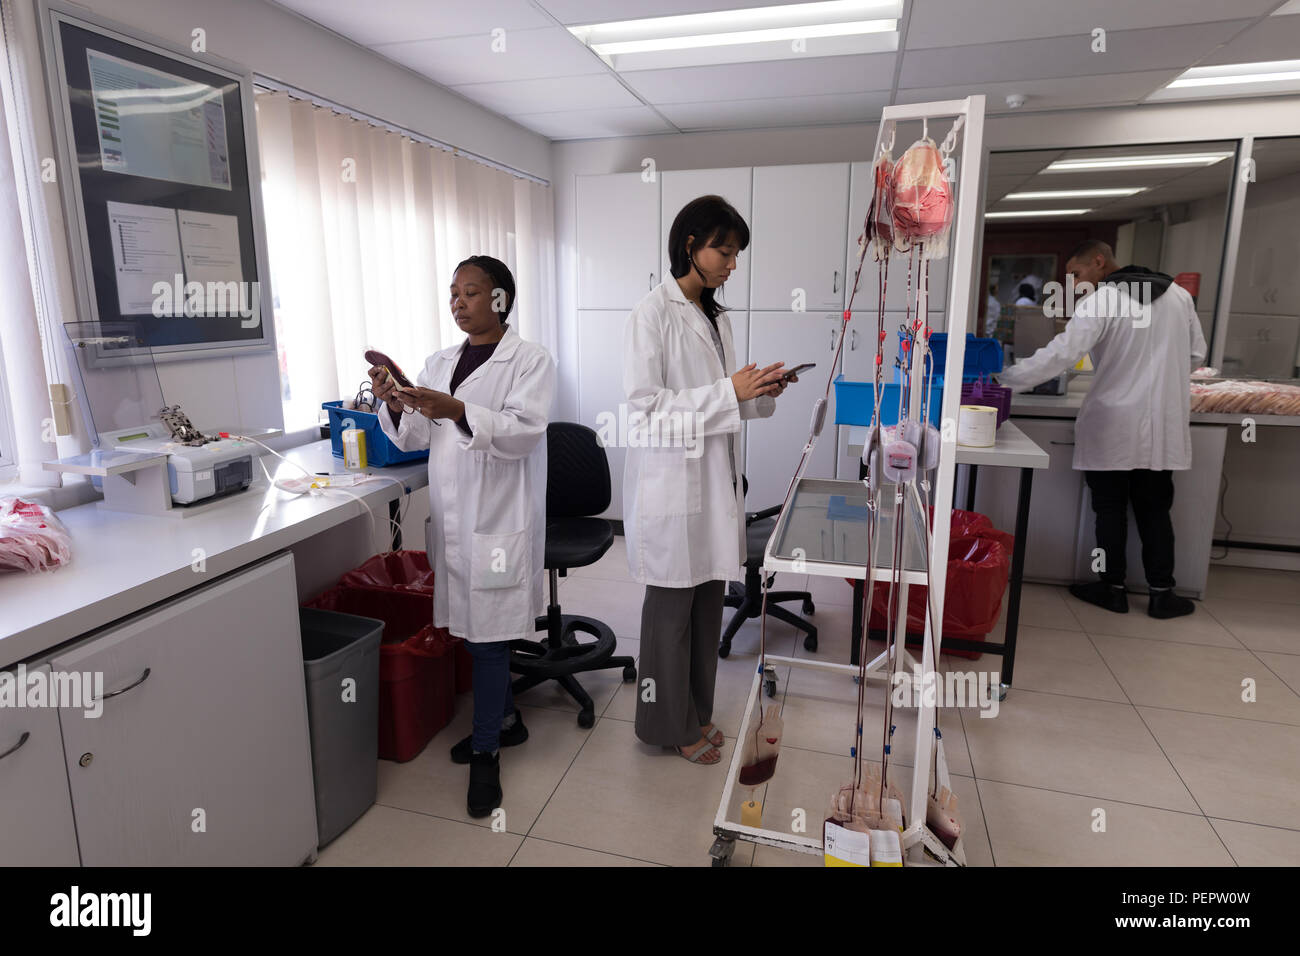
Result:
x=161 y=194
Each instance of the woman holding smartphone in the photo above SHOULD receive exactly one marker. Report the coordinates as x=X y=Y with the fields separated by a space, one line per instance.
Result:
x=491 y=396
x=684 y=519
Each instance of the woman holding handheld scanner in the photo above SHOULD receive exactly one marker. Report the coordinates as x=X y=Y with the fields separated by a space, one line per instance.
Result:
x=487 y=496
x=682 y=486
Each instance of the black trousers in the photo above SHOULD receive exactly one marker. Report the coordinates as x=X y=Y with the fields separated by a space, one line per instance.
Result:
x=1152 y=495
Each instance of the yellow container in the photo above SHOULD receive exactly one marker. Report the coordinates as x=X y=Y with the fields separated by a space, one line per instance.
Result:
x=354 y=448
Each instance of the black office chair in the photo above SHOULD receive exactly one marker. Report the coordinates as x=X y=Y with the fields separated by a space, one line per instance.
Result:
x=748 y=597
x=577 y=487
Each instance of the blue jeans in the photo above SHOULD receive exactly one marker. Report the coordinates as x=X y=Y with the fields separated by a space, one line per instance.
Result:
x=493 y=700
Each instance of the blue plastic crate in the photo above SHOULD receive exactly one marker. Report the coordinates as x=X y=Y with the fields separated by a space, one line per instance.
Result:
x=380 y=451
x=982 y=357
x=854 y=401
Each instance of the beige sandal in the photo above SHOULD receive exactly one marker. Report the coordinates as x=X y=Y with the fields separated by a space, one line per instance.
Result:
x=709 y=736
x=700 y=752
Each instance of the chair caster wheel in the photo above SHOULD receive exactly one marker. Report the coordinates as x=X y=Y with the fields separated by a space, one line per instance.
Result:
x=629 y=674
x=810 y=642
x=586 y=719
x=724 y=650
x=809 y=607
x=770 y=687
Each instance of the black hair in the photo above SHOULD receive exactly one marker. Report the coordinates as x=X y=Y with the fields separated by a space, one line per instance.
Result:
x=1089 y=248
x=1026 y=290
x=711 y=220
x=499 y=273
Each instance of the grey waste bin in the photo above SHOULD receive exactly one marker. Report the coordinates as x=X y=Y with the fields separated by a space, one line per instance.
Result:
x=343 y=720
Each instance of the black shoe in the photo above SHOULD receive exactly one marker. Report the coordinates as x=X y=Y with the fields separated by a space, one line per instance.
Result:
x=1166 y=604
x=484 y=784
x=1111 y=597
x=512 y=737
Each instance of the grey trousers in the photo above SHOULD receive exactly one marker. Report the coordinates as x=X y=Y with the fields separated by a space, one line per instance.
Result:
x=680 y=628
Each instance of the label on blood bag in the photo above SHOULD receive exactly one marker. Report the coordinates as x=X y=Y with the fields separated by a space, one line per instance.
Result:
x=844 y=847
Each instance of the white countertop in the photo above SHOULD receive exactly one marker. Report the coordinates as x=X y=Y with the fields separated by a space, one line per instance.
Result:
x=122 y=563
x=1012 y=449
x=1067 y=406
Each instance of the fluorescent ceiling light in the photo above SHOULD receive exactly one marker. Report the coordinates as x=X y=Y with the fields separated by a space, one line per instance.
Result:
x=1135 y=162
x=1077 y=193
x=736 y=36
x=1035 y=213
x=1233 y=79
x=748 y=36
x=1288 y=8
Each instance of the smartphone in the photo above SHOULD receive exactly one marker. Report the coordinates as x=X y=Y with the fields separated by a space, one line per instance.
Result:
x=379 y=358
x=797 y=370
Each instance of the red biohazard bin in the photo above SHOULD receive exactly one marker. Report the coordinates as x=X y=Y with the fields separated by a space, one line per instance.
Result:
x=421 y=668
x=979 y=563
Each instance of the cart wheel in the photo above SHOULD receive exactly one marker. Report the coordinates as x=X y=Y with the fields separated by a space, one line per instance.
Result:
x=770 y=687
x=722 y=850
x=724 y=650
x=629 y=673
x=586 y=718
x=810 y=642
x=809 y=607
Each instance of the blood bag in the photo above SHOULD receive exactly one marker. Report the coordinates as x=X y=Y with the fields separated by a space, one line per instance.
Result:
x=941 y=817
x=761 y=748
x=899 y=458
x=925 y=438
x=922 y=201
x=880 y=228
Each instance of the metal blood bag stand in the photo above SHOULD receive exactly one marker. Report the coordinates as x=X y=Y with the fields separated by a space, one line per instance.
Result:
x=789 y=549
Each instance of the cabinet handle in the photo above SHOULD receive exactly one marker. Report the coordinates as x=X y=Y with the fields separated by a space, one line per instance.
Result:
x=832 y=340
x=1051 y=442
x=143 y=678
x=652 y=282
x=21 y=740
x=835 y=281
x=853 y=340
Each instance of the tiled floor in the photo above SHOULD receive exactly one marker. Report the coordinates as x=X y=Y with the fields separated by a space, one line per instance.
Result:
x=1125 y=741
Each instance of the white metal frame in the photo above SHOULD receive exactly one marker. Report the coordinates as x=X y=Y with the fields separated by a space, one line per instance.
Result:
x=963 y=246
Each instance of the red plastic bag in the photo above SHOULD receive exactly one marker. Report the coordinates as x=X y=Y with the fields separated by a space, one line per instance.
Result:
x=397 y=570
x=979 y=564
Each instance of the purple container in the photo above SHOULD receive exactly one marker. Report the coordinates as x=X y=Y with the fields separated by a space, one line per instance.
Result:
x=986 y=393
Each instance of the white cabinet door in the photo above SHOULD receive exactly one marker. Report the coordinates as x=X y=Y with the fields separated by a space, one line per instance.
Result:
x=206 y=760
x=799 y=232
x=617 y=236
x=776 y=443
x=678 y=187
x=600 y=391
x=36 y=826
x=897 y=284
x=1054 y=505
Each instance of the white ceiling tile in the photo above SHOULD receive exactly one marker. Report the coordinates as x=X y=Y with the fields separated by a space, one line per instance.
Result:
x=528 y=54
x=547 y=94
x=777 y=111
x=594 y=124
x=1277 y=38
x=1127 y=51
x=1052 y=94
x=570 y=12
x=744 y=81
x=947 y=23
x=394 y=20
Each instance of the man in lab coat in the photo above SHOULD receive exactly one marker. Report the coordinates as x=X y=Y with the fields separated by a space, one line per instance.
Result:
x=1132 y=432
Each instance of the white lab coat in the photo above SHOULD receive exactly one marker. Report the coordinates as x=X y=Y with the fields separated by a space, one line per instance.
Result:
x=487 y=494
x=683 y=519
x=1135 y=415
